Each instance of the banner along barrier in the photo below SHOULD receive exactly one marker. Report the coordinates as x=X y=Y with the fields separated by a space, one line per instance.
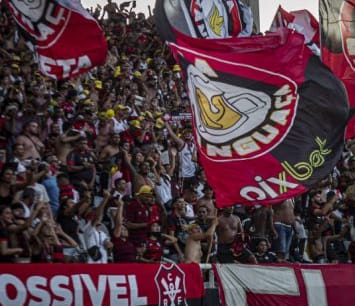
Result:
x=296 y=285
x=95 y=284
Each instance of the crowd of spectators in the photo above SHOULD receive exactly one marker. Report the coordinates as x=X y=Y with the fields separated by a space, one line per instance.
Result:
x=103 y=168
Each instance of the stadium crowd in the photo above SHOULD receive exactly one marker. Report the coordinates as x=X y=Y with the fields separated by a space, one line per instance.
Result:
x=103 y=168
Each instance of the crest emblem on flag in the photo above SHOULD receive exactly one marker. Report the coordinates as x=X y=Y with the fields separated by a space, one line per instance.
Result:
x=171 y=285
x=44 y=21
x=249 y=121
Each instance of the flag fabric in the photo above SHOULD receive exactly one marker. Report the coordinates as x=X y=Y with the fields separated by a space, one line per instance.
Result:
x=285 y=285
x=207 y=19
x=302 y=21
x=65 y=38
x=264 y=117
x=337 y=19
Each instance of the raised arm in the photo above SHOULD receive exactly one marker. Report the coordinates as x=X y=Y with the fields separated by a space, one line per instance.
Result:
x=118 y=219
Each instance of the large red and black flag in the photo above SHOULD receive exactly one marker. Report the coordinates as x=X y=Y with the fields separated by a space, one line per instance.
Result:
x=65 y=38
x=337 y=18
x=264 y=116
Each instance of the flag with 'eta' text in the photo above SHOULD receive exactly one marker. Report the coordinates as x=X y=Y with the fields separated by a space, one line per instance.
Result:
x=264 y=118
x=64 y=37
x=337 y=19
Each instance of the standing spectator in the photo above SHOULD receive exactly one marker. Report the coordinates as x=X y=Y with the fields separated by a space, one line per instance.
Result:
x=231 y=245
x=123 y=249
x=284 y=221
x=81 y=165
x=187 y=155
x=193 y=251
x=138 y=216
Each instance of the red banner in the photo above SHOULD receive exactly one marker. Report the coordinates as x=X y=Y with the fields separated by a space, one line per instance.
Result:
x=296 y=285
x=111 y=284
x=66 y=39
x=337 y=18
x=302 y=21
x=264 y=115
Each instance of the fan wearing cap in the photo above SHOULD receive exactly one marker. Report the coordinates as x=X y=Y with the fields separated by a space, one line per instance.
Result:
x=138 y=215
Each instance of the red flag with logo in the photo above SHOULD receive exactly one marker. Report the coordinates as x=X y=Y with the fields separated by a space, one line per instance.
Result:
x=264 y=117
x=65 y=38
x=337 y=18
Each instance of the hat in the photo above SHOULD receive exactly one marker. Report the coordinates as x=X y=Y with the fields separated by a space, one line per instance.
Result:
x=137 y=74
x=98 y=84
x=145 y=189
x=136 y=124
x=110 y=113
x=117 y=72
x=11 y=106
x=176 y=68
x=88 y=102
x=148 y=114
x=121 y=107
x=157 y=114
x=159 y=123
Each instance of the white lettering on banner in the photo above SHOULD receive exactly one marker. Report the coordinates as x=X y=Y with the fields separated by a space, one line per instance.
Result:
x=264 y=191
x=56 y=284
x=96 y=294
x=34 y=288
x=66 y=290
x=20 y=297
x=237 y=280
x=315 y=287
x=68 y=66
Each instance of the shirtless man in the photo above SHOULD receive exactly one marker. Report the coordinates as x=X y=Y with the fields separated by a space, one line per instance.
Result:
x=193 y=251
x=207 y=200
x=261 y=226
x=230 y=232
x=111 y=149
x=111 y=9
x=284 y=219
x=33 y=146
x=64 y=143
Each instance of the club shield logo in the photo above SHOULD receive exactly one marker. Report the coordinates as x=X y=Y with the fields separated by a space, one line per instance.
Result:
x=234 y=122
x=171 y=285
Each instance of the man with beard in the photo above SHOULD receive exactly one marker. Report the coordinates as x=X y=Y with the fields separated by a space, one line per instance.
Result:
x=231 y=246
x=33 y=146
